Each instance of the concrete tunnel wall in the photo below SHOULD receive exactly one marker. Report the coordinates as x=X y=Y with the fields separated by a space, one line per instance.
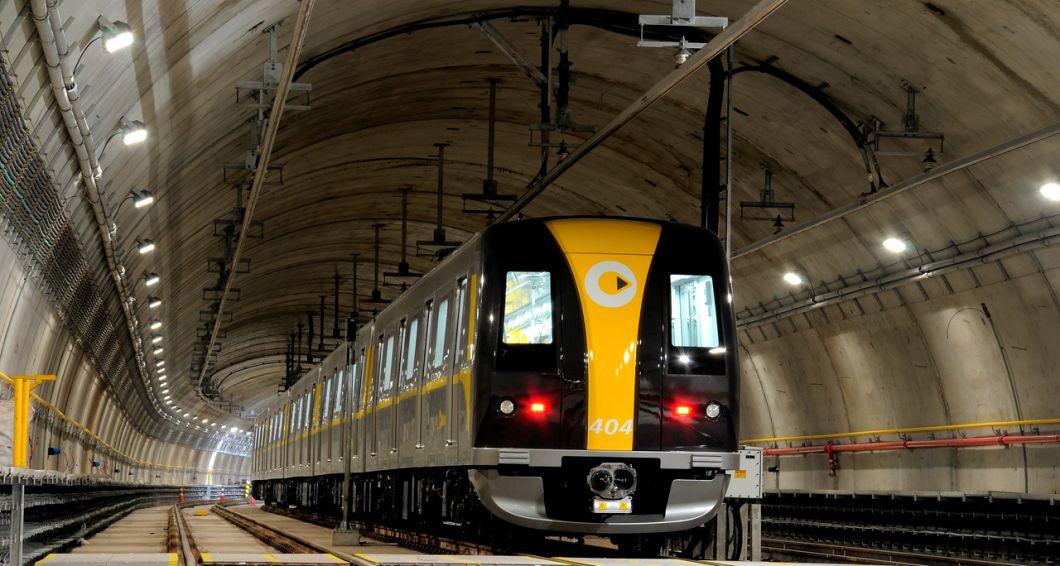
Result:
x=917 y=361
x=34 y=341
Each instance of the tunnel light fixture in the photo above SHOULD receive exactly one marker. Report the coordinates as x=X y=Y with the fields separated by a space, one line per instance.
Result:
x=151 y=278
x=144 y=246
x=142 y=198
x=157 y=351
x=116 y=35
x=1051 y=191
x=155 y=324
x=160 y=363
x=895 y=245
x=132 y=132
x=234 y=429
x=156 y=338
x=792 y=278
x=717 y=351
x=154 y=302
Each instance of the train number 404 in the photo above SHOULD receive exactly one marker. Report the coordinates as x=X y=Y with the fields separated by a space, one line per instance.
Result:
x=611 y=427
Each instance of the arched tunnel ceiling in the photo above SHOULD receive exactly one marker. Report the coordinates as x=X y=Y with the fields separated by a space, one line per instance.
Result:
x=377 y=111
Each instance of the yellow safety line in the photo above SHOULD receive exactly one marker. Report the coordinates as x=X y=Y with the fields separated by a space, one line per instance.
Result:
x=335 y=558
x=50 y=556
x=936 y=428
x=207 y=557
x=270 y=557
x=173 y=561
x=91 y=434
x=366 y=557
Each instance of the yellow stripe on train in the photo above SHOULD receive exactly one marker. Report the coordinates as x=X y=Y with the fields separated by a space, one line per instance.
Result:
x=610 y=260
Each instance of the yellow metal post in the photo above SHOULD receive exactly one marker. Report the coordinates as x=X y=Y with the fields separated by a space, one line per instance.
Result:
x=24 y=384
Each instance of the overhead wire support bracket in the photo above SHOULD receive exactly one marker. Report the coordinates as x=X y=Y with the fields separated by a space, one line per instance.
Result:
x=522 y=63
x=758 y=13
x=683 y=15
x=272 y=125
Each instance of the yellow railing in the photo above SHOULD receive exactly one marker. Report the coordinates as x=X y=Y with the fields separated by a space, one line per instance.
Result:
x=907 y=430
x=55 y=410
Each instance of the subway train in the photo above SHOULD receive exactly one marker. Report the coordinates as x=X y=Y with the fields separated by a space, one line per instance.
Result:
x=568 y=375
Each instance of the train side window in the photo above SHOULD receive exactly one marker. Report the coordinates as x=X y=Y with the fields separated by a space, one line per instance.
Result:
x=693 y=312
x=387 y=365
x=360 y=397
x=463 y=311
x=325 y=409
x=441 y=323
x=411 y=358
x=340 y=379
x=527 y=308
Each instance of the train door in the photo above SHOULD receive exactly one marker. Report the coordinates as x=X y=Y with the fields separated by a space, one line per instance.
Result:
x=436 y=417
x=421 y=380
x=408 y=410
x=456 y=387
x=396 y=381
x=358 y=400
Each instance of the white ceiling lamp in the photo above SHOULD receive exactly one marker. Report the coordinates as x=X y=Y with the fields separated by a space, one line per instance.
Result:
x=145 y=246
x=142 y=198
x=151 y=278
x=160 y=363
x=157 y=351
x=792 y=278
x=155 y=324
x=1051 y=191
x=156 y=338
x=154 y=302
x=133 y=132
x=116 y=35
x=895 y=245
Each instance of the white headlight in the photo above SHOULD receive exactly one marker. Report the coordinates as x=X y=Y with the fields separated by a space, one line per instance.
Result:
x=506 y=407
x=713 y=410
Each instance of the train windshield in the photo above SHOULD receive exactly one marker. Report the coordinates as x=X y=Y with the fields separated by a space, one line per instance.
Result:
x=693 y=312
x=528 y=307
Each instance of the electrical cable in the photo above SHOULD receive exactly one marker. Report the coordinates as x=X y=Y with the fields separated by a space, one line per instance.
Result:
x=735 y=543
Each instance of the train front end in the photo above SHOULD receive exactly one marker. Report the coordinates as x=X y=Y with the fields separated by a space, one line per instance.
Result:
x=606 y=381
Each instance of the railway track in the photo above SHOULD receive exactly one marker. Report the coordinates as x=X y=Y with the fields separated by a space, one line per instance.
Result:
x=233 y=530
x=452 y=539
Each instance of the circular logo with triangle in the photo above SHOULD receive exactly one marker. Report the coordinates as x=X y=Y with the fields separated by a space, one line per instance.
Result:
x=610 y=284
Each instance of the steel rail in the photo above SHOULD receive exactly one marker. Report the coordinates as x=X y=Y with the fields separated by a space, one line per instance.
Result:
x=270 y=535
x=712 y=49
x=910 y=183
x=301 y=27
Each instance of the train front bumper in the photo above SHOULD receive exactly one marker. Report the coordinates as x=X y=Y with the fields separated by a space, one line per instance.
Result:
x=519 y=497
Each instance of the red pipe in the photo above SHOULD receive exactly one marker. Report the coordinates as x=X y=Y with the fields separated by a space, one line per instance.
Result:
x=911 y=444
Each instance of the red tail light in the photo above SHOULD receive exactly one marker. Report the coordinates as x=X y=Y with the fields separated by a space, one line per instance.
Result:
x=537 y=407
x=682 y=410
